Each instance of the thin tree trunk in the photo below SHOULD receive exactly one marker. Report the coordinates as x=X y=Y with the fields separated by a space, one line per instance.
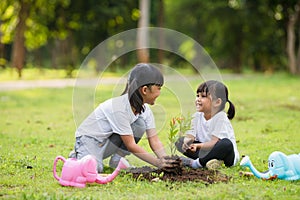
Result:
x=2 y=55
x=297 y=7
x=291 y=41
x=298 y=54
x=2 y=51
x=142 y=34
x=161 y=33
x=18 y=54
x=237 y=54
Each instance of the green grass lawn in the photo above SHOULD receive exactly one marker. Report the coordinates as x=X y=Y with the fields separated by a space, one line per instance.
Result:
x=36 y=125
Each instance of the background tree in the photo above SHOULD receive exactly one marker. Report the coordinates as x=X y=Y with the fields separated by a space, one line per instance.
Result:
x=142 y=33
x=6 y=18
x=90 y=22
x=31 y=21
x=291 y=11
x=257 y=35
x=18 y=54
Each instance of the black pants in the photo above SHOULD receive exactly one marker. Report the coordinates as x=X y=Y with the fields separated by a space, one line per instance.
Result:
x=223 y=150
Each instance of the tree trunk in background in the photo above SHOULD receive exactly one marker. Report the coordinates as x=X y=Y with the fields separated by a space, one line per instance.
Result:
x=291 y=43
x=297 y=7
x=293 y=55
x=161 y=15
x=2 y=52
x=2 y=56
x=18 y=52
x=298 y=53
x=237 y=55
x=142 y=34
x=64 y=55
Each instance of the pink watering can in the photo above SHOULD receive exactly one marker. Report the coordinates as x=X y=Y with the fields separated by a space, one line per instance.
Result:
x=77 y=173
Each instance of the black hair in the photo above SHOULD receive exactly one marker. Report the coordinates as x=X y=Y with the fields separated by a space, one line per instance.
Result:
x=136 y=99
x=218 y=90
x=141 y=75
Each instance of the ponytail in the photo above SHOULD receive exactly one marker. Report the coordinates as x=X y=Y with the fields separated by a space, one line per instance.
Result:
x=231 y=110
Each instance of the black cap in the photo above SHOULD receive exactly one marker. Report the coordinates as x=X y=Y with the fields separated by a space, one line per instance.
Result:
x=144 y=74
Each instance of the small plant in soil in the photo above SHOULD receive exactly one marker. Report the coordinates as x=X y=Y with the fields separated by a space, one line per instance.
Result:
x=178 y=126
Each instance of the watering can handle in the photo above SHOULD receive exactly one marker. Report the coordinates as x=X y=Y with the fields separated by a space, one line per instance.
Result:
x=54 y=166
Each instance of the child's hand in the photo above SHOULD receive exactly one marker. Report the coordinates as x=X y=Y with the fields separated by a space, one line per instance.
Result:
x=193 y=147
x=187 y=141
x=185 y=147
x=168 y=163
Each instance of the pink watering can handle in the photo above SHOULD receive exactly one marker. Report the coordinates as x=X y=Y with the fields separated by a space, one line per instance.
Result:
x=54 y=166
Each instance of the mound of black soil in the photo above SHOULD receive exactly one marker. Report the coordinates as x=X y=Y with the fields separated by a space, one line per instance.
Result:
x=186 y=174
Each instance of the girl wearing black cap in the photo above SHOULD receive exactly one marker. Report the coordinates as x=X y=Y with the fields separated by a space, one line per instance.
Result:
x=211 y=140
x=116 y=125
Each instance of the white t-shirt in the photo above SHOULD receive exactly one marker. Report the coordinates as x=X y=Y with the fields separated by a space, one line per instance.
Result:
x=218 y=126
x=113 y=116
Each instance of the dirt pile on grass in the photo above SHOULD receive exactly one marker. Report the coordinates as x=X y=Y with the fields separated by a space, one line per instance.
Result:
x=187 y=174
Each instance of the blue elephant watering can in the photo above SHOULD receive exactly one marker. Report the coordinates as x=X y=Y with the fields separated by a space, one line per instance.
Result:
x=281 y=166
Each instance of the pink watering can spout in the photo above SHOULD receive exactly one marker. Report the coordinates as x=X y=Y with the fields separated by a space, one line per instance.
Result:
x=123 y=164
x=77 y=173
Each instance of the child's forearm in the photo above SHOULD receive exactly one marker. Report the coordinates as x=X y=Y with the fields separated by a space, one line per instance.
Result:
x=199 y=146
x=145 y=156
x=157 y=147
x=206 y=145
x=159 y=151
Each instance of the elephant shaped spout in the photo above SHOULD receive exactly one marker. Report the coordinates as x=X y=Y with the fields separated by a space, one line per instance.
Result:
x=246 y=162
x=281 y=166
